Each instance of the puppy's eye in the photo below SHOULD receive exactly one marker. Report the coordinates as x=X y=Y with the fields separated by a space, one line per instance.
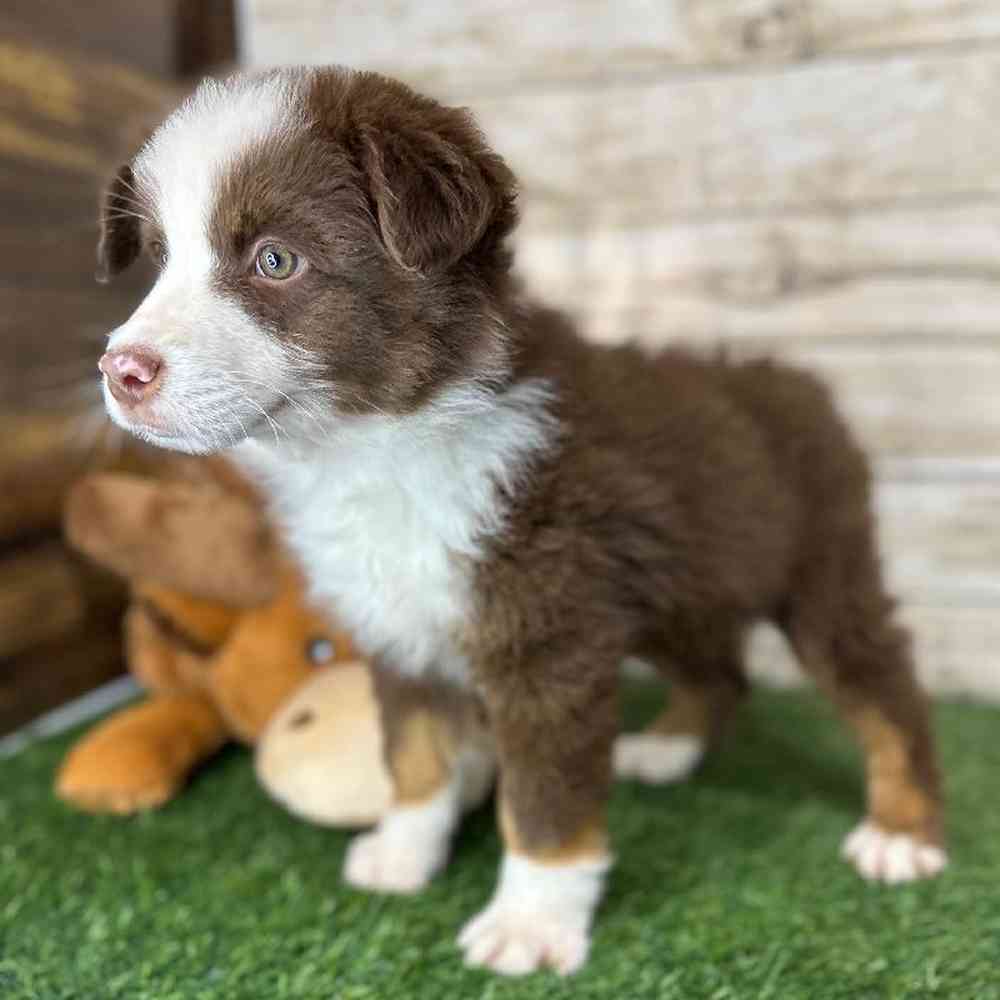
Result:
x=159 y=252
x=276 y=262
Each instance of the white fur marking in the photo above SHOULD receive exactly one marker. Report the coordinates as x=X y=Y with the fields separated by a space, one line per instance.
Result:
x=410 y=845
x=881 y=856
x=540 y=915
x=388 y=515
x=222 y=372
x=655 y=759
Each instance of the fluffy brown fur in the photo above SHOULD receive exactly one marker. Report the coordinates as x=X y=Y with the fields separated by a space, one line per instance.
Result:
x=690 y=499
x=684 y=498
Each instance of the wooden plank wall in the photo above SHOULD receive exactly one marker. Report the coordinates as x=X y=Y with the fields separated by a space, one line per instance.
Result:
x=817 y=179
x=80 y=84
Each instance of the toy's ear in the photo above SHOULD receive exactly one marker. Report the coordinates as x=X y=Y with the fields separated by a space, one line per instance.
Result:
x=121 y=237
x=198 y=540
x=439 y=191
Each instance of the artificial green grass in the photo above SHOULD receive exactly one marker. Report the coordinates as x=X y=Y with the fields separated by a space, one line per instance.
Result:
x=726 y=887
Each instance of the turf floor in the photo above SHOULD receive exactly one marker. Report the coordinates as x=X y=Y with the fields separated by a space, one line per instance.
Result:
x=726 y=887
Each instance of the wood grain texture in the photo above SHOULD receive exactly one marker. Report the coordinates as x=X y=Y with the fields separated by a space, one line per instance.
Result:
x=46 y=594
x=56 y=672
x=892 y=270
x=44 y=453
x=467 y=47
x=140 y=35
x=830 y=135
x=41 y=598
x=165 y=38
x=80 y=87
x=65 y=122
x=941 y=541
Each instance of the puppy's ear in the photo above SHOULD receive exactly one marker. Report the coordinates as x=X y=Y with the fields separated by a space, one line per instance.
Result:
x=121 y=238
x=439 y=190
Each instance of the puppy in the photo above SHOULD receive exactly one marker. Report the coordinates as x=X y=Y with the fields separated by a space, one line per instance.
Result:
x=499 y=510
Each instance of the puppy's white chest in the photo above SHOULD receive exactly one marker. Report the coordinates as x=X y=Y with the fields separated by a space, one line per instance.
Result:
x=390 y=516
x=372 y=555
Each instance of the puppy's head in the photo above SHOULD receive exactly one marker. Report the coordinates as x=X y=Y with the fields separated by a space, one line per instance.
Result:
x=329 y=243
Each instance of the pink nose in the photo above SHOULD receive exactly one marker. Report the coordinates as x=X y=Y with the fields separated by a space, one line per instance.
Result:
x=133 y=374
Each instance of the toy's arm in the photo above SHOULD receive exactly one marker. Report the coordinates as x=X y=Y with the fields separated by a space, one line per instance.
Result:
x=140 y=757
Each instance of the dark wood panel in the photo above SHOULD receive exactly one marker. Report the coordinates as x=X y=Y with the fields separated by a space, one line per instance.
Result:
x=169 y=38
x=81 y=84
x=57 y=672
x=206 y=36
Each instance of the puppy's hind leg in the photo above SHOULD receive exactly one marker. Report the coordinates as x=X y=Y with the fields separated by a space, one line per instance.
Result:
x=706 y=684
x=847 y=639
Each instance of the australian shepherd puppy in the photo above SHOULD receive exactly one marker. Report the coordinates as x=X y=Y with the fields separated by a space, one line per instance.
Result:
x=498 y=510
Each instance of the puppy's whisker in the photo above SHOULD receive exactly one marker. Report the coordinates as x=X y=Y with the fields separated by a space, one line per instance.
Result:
x=126 y=203
x=296 y=404
x=232 y=411
x=275 y=426
x=116 y=216
x=131 y=187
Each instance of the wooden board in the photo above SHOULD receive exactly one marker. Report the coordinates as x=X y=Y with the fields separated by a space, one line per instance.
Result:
x=828 y=135
x=890 y=270
x=41 y=598
x=65 y=122
x=57 y=672
x=79 y=86
x=43 y=455
x=941 y=541
x=467 y=47
x=168 y=38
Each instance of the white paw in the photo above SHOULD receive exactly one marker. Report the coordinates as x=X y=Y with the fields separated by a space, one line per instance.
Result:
x=514 y=942
x=539 y=917
x=408 y=847
x=655 y=759
x=383 y=863
x=881 y=856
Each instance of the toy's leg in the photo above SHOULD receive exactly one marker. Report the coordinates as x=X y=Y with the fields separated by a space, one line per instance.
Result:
x=706 y=685
x=141 y=756
x=439 y=757
x=861 y=658
x=554 y=725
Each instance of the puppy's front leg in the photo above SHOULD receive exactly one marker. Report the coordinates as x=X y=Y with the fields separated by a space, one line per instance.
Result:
x=440 y=762
x=554 y=731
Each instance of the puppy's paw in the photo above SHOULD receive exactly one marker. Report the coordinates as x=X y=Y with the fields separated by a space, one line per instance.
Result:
x=656 y=759
x=382 y=862
x=514 y=942
x=539 y=917
x=882 y=856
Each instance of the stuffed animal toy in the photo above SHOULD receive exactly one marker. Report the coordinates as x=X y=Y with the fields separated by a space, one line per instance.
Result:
x=220 y=634
x=321 y=754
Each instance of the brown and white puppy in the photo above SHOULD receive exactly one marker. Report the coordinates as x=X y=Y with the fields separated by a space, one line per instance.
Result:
x=499 y=511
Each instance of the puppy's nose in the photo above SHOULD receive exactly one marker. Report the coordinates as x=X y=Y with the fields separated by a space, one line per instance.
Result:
x=133 y=374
